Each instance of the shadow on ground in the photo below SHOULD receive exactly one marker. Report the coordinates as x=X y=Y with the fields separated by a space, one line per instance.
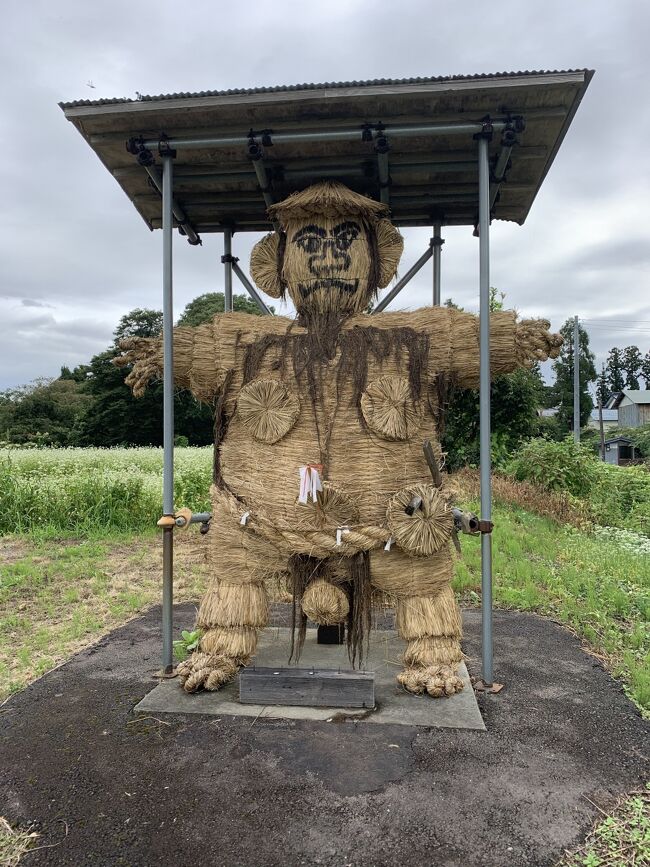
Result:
x=562 y=738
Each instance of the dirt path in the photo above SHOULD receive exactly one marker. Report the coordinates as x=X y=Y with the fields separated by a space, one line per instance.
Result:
x=223 y=791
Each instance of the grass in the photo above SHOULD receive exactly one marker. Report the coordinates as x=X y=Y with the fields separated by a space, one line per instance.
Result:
x=621 y=839
x=13 y=843
x=601 y=590
x=59 y=596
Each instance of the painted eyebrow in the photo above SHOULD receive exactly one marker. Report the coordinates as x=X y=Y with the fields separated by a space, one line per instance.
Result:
x=352 y=228
x=308 y=230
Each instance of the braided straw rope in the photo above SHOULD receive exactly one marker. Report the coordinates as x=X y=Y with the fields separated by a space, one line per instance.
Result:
x=303 y=540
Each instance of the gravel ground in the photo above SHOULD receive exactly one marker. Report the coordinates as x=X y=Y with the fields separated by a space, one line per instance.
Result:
x=106 y=788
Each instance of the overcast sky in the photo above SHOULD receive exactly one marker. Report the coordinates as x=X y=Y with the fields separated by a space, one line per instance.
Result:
x=75 y=255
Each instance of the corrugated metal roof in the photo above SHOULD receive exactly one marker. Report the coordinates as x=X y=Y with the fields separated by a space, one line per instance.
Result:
x=432 y=167
x=328 y=85
x=635 y=396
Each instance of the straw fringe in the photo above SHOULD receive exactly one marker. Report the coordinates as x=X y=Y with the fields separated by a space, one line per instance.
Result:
x=237 y=642
x=437 y=680
x=208 y=670
x=422 y=652
x=327 y=199
x=234 y=605
x=428 y=616
x=324 y=603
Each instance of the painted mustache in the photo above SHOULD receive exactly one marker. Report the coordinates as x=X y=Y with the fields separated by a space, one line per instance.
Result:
x=329 y=283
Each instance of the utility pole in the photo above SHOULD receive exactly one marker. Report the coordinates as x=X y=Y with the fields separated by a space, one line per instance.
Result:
x=600 y=419
x=576 y=380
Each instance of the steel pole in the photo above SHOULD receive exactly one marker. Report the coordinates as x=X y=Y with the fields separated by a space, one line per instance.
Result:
x=576 y=380
x=227 y=260
x=410 y=274
x=437 y=250
x=484 y=400
x=168 y=412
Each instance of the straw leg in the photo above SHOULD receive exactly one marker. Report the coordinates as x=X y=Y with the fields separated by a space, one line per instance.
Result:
x=432 y=628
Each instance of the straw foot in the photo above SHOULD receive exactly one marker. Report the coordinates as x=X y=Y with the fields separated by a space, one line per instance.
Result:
x=207 y=671
x=437 y=680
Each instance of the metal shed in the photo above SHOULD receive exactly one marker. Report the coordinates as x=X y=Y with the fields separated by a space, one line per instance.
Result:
x=456 y=150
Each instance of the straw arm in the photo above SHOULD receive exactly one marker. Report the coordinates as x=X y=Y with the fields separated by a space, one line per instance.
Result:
x=203 y=355
x=513 y=344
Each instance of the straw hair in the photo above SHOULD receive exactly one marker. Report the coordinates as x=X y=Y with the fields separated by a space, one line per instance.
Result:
x=267 y=409
x=327 y=199
x=324 y=603
x=429 y=528
x=388 y=408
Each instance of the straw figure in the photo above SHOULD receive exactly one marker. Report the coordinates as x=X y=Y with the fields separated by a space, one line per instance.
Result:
x=319 y=426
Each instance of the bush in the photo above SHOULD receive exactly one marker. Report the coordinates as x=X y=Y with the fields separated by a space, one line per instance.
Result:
x=611 y=496
x=557 y=466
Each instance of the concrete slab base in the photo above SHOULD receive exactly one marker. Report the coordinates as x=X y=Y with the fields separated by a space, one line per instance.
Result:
x=394 y=706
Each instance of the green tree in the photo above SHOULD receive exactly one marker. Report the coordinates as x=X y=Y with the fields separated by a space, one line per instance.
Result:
x=45 y=412
x=602 y=387
x=141 y=322
x=615 y=370
x=563 y=368
x=632 y=361
x=645 y=369
x=204 y=307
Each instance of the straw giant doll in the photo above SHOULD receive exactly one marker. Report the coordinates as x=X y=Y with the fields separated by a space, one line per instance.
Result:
x=318 y=441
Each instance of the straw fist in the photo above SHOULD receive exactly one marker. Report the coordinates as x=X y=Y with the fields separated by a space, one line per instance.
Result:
x=536 y=342
x=145 y=354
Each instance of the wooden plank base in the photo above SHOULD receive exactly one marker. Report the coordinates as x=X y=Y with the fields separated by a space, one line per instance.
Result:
x=307 y=687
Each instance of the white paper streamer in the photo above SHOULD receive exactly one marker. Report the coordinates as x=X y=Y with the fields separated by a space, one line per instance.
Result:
x=310 y=483
x=388 y=543
x=339 y=534
x=244 y=518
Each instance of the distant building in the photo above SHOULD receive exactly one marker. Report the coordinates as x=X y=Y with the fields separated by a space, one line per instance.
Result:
x=620 y=451
x=633 y=407
x=610 y=419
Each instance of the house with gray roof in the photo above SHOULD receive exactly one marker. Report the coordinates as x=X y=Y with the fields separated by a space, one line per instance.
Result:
x=633 y=407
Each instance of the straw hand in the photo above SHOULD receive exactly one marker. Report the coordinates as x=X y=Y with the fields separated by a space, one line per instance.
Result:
x=536 y=342
x=145 y=356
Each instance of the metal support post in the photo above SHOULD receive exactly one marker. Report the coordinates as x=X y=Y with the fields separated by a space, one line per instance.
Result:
x=168 y=412
x=484 y=402
x=576 y=380
x=437 y=243
x=252 y=291
x=397 y=288
x=227 y=261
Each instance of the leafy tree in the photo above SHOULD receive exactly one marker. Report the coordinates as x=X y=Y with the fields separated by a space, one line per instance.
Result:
x=141 y=322
x=563 y=368
x=632 y=363
x=46 y=412
x=615 y=370
x=645 y=369
x=602 y=387
x=204 y=307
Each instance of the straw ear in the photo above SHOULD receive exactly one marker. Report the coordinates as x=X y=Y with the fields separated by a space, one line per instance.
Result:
x=390 y=246
x=266 y=265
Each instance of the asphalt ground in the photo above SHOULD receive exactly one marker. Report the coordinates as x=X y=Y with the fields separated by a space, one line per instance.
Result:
x=105 y=787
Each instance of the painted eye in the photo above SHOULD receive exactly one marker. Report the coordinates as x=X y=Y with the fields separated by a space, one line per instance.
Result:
x=310 y=243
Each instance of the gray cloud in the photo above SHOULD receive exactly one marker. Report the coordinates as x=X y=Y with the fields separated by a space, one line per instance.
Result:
x=76 y=256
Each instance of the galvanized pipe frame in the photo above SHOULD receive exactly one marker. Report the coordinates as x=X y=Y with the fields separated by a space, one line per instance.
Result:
x=485 y=386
